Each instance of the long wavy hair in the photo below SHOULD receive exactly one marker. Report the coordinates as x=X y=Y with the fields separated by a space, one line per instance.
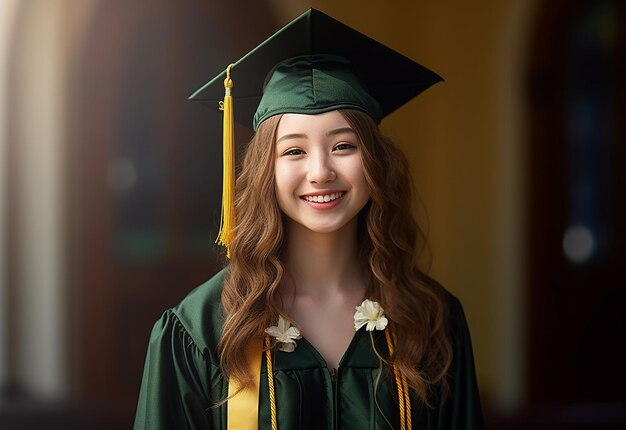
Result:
x=389 y=240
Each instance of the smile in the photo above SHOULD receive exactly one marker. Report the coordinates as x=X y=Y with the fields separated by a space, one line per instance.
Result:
x=324 y=198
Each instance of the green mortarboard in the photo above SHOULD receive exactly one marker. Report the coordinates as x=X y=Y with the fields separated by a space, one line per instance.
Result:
x=379 y=80
x=312 y=65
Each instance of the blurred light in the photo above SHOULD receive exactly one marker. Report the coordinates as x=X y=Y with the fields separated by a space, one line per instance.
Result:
x=578 y=244
x=122 y=174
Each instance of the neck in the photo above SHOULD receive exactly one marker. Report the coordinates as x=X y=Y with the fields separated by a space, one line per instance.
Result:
x=322 y=264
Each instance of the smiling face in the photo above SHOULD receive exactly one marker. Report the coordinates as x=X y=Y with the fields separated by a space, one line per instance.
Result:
x=319 y=176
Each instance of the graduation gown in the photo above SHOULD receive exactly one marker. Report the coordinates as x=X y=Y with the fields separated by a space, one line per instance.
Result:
x=182 y=379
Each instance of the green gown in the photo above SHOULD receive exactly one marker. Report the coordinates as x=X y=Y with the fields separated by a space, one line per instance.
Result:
x=182 y=379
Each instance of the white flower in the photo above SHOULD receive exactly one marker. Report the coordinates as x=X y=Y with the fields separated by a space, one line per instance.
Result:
x=285 y=334
x=370 y=313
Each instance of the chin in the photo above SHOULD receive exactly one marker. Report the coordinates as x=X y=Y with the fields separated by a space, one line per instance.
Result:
x=329 y=228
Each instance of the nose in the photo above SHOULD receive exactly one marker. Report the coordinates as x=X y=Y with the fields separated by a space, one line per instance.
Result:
x=320 y=169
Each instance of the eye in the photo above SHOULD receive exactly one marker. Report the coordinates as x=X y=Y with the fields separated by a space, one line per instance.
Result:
x=344 y=146
x=293 y=151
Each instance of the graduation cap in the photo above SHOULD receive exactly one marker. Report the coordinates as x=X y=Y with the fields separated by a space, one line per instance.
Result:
x=312 y=65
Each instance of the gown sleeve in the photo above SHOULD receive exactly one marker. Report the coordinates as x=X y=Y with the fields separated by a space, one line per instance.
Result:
x=175 y=392
x=462 y=409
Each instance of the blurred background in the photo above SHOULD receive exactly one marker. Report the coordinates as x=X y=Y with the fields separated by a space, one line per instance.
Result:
x=110 y=190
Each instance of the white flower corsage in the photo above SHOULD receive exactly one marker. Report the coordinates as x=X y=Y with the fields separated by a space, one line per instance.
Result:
x=370 y=313
x=285 y=334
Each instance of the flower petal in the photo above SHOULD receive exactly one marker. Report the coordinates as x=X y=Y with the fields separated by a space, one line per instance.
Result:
x=370 y=314
x=293 y=333
x=284 y=334
x=381 y=323
x=287 y=347
x=283 y=324
x=273 y=331
x=359 y=324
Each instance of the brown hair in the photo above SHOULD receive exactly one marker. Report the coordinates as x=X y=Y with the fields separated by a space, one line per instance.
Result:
x=389 y=238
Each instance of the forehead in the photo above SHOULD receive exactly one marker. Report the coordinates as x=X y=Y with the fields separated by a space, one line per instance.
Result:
x=311 y=125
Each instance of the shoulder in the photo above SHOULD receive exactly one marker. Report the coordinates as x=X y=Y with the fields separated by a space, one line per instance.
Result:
x=455 y=315
x=459 y=335
x=198 y=318
x=464 y=407
x=455 y=308
x=454 y=322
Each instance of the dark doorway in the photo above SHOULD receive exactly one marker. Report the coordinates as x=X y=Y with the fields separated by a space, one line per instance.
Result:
x=577 y=253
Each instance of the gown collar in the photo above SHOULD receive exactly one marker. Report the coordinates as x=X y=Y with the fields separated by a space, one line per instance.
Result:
x=358 y=354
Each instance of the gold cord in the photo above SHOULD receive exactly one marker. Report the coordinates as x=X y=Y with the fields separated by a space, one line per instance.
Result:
x=407 y=401
x=270 y=382
x=404 y=399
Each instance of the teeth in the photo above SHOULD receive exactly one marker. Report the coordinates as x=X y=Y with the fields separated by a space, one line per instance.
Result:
x=325 y=198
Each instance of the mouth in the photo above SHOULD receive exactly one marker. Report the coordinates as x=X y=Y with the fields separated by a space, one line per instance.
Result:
x=323 y=198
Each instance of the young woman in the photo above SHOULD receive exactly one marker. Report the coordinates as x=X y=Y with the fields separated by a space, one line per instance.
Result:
x=321 y=319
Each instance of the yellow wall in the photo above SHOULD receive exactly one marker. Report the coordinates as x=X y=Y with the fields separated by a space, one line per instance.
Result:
x=458 y=138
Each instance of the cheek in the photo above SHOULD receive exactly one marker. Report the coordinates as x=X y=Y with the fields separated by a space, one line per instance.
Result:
x=357 y=176
x=280 y=176
x=283 y=181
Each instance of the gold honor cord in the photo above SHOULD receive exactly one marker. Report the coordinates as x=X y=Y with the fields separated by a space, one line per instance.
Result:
x=243 y=406
x=404 y=399
x=227 y=221
x=270 y=382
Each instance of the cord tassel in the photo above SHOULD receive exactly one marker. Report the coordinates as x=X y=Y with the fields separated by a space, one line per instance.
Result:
x=227 y=222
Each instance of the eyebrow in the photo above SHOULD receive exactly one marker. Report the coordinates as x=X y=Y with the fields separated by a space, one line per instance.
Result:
x=340 y=131
x=336 y=131
x=291 y=136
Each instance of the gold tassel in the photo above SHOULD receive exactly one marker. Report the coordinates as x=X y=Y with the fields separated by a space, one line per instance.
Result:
x=227 y=222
